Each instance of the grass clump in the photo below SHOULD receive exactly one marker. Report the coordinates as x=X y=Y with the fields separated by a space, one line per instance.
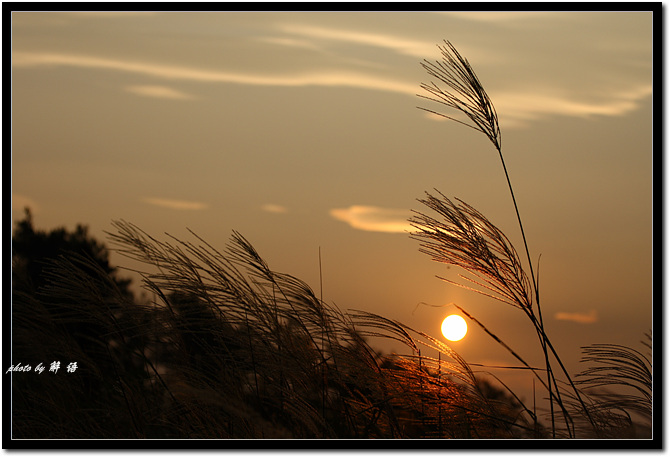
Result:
x=229 y=348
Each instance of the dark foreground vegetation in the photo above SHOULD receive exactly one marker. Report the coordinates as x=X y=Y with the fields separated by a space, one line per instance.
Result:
x=225 y=347
x=228 y=348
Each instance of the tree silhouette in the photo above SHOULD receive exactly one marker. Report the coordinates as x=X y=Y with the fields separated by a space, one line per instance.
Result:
x=68 y=306
x=32 y=251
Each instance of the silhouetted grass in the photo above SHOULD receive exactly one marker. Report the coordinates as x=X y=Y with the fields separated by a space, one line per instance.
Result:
x=230 y=348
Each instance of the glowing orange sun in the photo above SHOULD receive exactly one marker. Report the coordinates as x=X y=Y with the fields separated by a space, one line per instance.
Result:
x=454 y=327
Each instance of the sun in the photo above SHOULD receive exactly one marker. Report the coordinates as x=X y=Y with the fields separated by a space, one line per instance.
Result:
x=454 y=327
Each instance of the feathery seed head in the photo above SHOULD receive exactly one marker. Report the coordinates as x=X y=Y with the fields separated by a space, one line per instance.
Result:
x=463 y=92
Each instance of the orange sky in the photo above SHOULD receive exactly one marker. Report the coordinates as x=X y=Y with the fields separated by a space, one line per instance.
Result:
x=300 y=130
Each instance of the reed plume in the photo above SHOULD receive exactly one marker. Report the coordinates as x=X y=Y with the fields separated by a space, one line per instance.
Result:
x=464 y=93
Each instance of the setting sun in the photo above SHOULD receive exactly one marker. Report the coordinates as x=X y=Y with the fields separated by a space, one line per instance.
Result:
x=454 y=327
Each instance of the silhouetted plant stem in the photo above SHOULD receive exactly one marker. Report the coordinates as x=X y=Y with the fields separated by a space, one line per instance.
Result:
x=541 y=333
x=469 y=239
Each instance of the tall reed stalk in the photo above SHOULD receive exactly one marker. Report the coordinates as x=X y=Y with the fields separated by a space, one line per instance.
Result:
x=468 y=239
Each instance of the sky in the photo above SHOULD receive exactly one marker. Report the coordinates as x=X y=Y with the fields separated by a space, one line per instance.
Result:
x=301 y=131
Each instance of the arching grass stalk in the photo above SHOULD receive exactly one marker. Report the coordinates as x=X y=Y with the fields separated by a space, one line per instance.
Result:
x=465 y=93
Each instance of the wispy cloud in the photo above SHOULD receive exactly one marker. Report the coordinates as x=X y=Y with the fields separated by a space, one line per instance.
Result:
x=323 y=77
x=158 y=92
x=520 y=106
x=517 y=109
x=581 y=318
x=517 y=102
x=272 y=208
x=374 y=219
x=175 y=204
x=289 y=42
x=395 y=43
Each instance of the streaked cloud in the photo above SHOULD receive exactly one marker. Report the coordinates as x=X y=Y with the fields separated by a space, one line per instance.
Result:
x=395 y=43
x=581 y=318
x=519 y=107
x=289 y=42
x=374 y=219
x=530 y=84
x=323 y=77
x=158 y=92
x=271 y=208
x=175 y=204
